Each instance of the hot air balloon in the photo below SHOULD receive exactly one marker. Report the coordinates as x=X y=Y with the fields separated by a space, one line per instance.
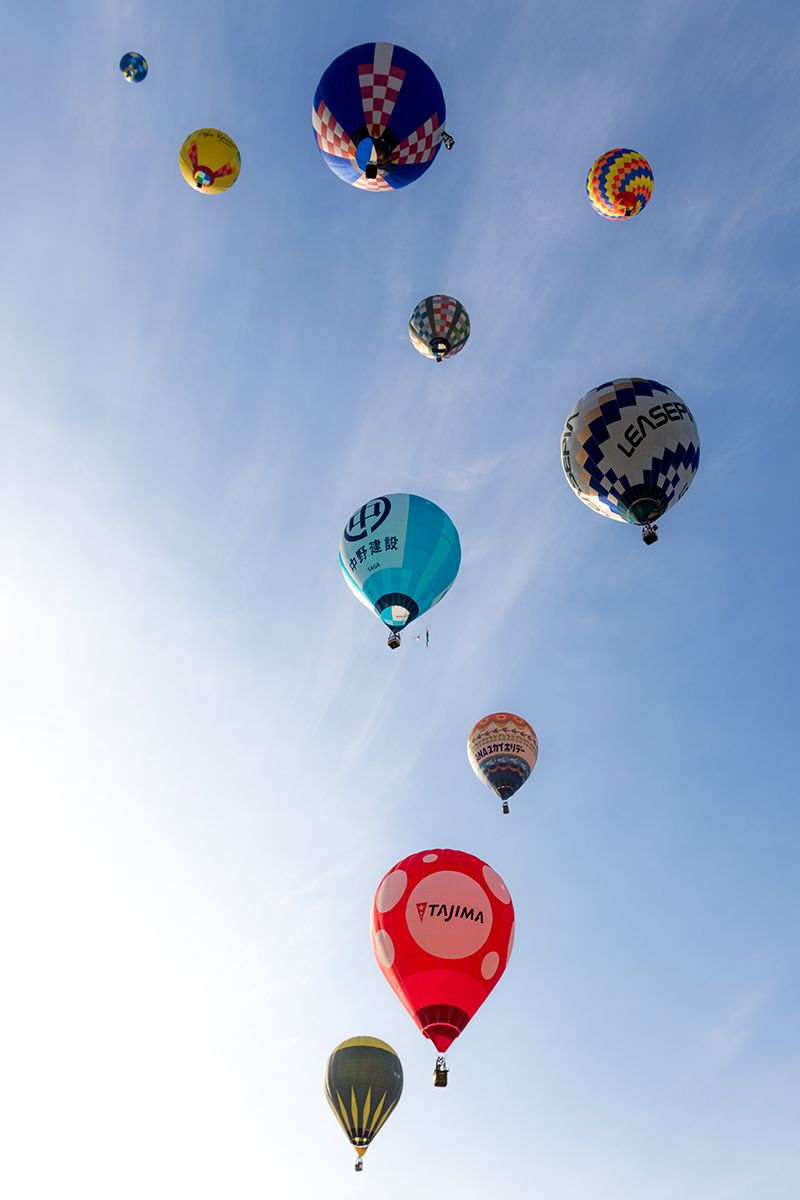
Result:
x=442 y=932
x=619 y=184
x=133 y=66
x=363 y=1083
x=378 y=117
x=439 y=327
x=210 y=161
x=503 y=750
x=399 y=555
x=630 y=450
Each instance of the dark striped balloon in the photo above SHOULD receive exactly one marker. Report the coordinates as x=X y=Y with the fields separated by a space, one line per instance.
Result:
x=363 y=1083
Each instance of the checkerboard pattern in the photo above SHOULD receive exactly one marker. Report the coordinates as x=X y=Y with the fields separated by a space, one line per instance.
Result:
x=331 y=138
x=439 y=316
x=379 y=92
x=421 y=145
x=372 y=185
x=619 y=184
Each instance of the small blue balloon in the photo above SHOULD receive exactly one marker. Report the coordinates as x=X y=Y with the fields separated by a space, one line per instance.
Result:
x=133 y=66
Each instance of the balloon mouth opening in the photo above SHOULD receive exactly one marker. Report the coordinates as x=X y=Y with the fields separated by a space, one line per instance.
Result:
x=505 y=792
x=440 y=347
x=203 y=177
x=628 y=203
x=396 y=610
x=373 y=154
x=442 y=1036
x=642 y=505
x=442 y=1023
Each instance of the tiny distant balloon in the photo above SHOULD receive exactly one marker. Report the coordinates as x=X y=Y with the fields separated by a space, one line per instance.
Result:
x=363 y=1084
x=133 y=66
x=399 y=555
x=439 y=327
x=619 y=184
x=378 y=117
x=209 y=161
x=502 y=749
x=629 y=451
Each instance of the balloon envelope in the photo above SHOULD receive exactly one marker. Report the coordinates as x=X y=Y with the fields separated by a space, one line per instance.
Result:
x=502 y=749
x=133 y=66
x=619 y=184
x=442 y=933
x=363 y=1083
x=399 y=554
x=378 y=116
x=209 y=161
x=439 y=327
x=630 y=449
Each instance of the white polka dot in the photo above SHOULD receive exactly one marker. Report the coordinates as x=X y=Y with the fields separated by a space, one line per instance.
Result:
x=511 y=942
x=384 y=949
x=429 y=857
x=490 y=964
x=449 y=915
x=391 y=891
x=496 y=885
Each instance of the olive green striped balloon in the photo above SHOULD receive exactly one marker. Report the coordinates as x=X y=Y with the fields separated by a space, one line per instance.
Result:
x=363 y=1083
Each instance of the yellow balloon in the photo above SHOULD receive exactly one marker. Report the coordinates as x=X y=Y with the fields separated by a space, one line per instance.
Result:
x=209 y=161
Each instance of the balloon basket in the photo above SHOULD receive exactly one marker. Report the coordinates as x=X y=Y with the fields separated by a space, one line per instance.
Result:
x=440 y=1072
x=506 y=809
x=360 y=1165
x=649 y=534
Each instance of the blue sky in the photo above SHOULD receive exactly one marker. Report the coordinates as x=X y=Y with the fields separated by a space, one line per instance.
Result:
x=209 y=758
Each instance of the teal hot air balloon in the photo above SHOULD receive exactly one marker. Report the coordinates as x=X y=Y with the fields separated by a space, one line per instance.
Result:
x=399 y=555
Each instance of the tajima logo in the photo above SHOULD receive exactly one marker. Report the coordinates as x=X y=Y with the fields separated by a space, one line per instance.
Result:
x=448 y=911
x=455 y=924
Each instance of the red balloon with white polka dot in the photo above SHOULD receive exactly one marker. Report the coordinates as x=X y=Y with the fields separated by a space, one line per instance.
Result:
x=442 y=932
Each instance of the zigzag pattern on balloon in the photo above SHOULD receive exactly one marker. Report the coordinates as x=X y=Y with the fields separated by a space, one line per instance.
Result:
x=630 y=449
x=619 y=184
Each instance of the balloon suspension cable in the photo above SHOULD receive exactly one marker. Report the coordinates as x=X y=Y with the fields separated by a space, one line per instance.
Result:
x=649 y=534
x=449 y=141
x=440 y=1072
